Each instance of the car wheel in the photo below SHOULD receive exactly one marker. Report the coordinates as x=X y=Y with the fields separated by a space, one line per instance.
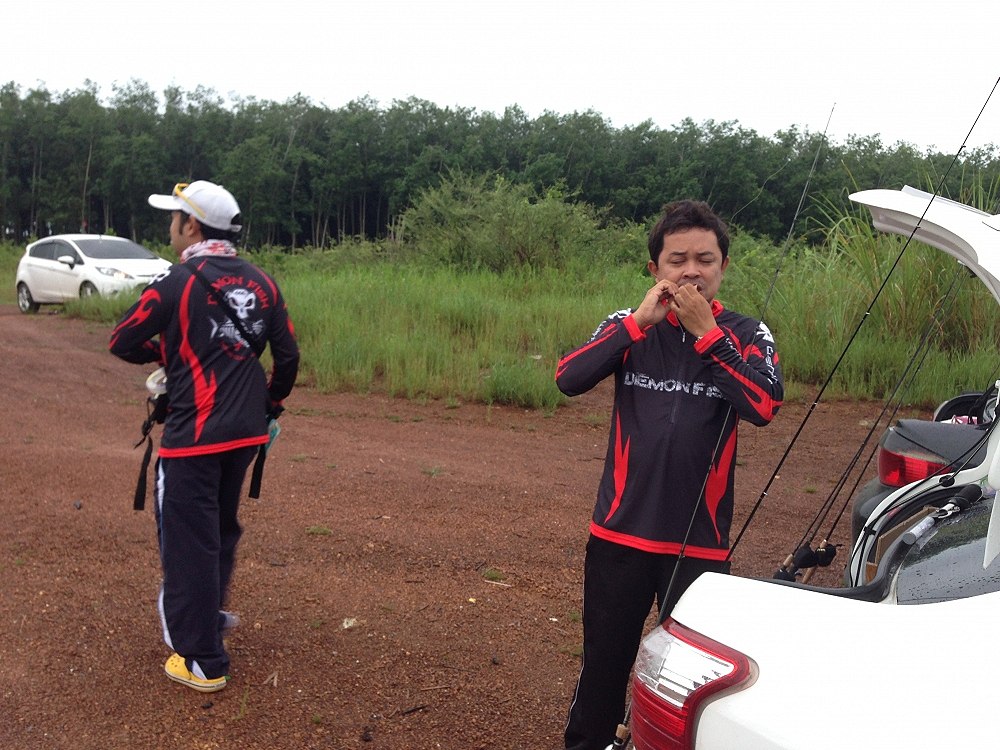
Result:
x=25 y=302
x=87 y=289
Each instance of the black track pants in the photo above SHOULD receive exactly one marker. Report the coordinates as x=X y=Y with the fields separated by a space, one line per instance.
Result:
x=197 y=500
x=619 y=586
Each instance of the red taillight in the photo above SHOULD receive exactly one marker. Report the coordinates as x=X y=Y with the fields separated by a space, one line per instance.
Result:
x=896 y=469
x=676 y=671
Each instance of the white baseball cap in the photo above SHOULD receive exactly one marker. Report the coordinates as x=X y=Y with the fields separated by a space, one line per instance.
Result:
x=209 y=203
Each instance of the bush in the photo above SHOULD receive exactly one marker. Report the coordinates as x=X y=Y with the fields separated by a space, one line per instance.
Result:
x=479 y=223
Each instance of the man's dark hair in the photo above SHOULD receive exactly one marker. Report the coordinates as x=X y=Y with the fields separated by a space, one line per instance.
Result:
x=687 y=214
x=211 y=233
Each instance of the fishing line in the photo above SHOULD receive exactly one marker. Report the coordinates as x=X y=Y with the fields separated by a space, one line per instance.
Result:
x=978 y=404
x=907 y=377
x=871 y=454
x=729 y=409
x=760 y=190
x=857 y=330
x=795 y=216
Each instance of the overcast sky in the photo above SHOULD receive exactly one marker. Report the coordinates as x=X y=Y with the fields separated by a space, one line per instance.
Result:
x=907 y=70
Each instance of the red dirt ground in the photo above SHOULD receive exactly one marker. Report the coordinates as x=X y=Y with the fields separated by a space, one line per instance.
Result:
x=371 y=617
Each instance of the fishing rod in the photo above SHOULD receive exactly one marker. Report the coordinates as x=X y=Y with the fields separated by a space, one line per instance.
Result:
x=804 y=557
x=946 y=478
x=623 y=730
x=857 y=330
x=980 y=402
x=795 y=216
x=902 y=386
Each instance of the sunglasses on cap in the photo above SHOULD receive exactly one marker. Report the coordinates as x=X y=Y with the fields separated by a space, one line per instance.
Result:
x=178 y=188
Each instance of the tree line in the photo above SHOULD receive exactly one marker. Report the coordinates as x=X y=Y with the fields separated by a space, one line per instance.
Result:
x=308 y=175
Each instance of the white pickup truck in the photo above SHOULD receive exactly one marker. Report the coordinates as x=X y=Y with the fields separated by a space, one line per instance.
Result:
x=906 y=655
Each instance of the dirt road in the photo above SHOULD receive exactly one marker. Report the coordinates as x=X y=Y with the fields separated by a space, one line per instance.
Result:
x=410 y=577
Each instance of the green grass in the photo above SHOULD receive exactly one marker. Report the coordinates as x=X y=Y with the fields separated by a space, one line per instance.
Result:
x=436 y=333
x=10 y=254
x=378 y=318
x=244 y=705
x=494 y=575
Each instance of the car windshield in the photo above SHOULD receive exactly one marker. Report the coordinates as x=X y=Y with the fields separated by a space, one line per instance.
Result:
x=103 y=248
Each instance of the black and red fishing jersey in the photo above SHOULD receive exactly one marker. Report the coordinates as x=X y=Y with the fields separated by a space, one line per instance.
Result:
x=672 y=427
x=219 y=393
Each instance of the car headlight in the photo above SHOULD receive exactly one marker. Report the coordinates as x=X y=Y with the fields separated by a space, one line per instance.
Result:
x=115 y=273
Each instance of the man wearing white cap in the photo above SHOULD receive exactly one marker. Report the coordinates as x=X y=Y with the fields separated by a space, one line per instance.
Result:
x=206 y=321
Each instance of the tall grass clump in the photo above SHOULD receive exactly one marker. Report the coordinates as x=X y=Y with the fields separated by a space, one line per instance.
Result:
x=429 y=332
x=108 y=310
x=920 y=294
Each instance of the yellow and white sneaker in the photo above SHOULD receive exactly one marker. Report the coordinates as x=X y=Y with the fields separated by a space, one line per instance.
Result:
x=177 y=671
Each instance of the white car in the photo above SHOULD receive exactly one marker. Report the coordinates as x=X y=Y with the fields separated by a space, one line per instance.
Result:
x=68 y=266
x=905 y=655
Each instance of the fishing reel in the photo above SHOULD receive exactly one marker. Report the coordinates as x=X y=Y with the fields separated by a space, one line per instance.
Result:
x=805 y=560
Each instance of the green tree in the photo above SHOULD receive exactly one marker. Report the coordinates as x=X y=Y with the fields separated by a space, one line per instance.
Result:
x=134 y=160
x=11 y=194
x=309 y=175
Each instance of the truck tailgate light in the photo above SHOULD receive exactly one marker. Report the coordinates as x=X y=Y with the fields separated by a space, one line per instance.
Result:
x=676 y=670
x=897 y=469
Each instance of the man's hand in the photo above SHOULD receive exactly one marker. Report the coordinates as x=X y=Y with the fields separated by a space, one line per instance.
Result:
x=274 y=410
x=653 y=307
x=685 y=301
x=692 y=309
